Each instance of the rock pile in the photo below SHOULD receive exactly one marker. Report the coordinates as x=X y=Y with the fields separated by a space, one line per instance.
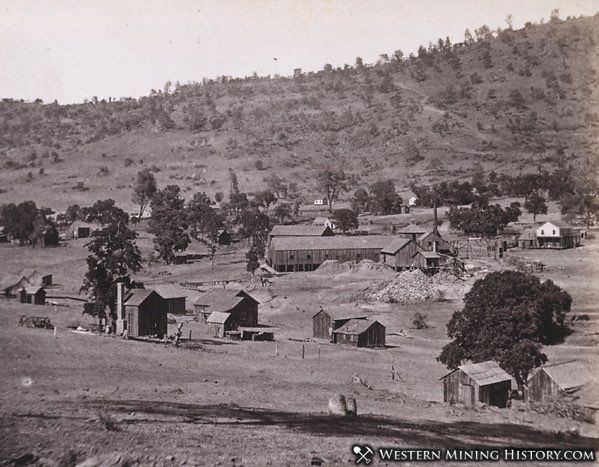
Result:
x=525 y=264
x=415 y=286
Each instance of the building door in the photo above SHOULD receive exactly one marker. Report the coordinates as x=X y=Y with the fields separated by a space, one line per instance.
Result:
x=131 y=329
x=467 y=394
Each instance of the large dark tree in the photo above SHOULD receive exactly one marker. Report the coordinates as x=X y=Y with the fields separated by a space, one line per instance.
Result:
x=19 y=220
x=255 y=226
x=331 y=182
x=384 y=199
x=507 y=317
x=535 y=204
x=144 y=189
x=168 y=223
x=105 y=212
x=113 y=256
x=345 y=219
x=205 y=222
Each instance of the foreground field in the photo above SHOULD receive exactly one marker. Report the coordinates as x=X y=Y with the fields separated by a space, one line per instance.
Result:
x=216 y=402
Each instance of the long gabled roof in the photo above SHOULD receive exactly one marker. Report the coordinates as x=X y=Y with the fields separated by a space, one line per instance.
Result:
x=168 y=291
x=395 y=245
x=485 y=373
x=412 y=229
x=560 y=224
x=428 y=254
x=360 y=242
x=222 y=300
x=567 y=375
x=355 y=326
x=218 y=317
x=345 y=312
x=299 y=230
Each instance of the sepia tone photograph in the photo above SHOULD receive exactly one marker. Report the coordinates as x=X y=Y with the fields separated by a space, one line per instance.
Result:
x=299 y=232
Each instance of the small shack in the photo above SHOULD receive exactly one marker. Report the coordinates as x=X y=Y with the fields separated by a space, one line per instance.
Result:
x=411 y=231
x=223 y=237
x=528 y=239
x=399 y=253
x=477 y=383
x=428 y=260
x=46 y=237
x=432 y=241
x=145 y=312
x=241 y=308
x=360 y=333
x=327 y=320
x=556 y=381
x=32 y=294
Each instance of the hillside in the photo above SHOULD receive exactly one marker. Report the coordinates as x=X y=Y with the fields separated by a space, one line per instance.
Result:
x=511 y=100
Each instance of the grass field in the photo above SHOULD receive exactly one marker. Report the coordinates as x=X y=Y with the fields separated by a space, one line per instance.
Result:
x=219 y=402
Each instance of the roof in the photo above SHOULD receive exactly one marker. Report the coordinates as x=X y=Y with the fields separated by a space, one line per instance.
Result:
x=395 y=245
x=168 y=291
x=528 y=234
x=412 y=229
x=560 y=224
x=218 y=317
x=32 y=289
x=426 y=234
x=299 y=230
x=567 y=375
x=376 y=242
x=347 y=312
x=321 y=221
x=355 y=326
x=27 y=273
x=11 y=281
x=428 y=254
x=222 y=300
x=136 y=297
x=484 y=373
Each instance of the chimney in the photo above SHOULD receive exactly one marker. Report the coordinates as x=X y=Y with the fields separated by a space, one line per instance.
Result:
x=121 y=323
x=435 y=229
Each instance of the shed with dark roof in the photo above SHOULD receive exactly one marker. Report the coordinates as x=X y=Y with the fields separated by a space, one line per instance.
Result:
x=33 y=294
x=477 y=383
x=360 y=333
x=327 y=320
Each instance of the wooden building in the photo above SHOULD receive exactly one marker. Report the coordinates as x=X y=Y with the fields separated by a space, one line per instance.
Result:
x=47 y=237
x=300 y=230
x=145 y=311
x=557 y=235
x=223 y=237
x=324 y=221
x=399 y=253
x=428 y=260
x=80 y=229
x=411 y=231
x=174 y=296
x=292 y=254
x=432 y=241
x=242 y=307
x=528 y=239
x=556 y=381
x=360 y=333
x=32 y=294
x=328 y=320
x=35 y=277
x=477 y=383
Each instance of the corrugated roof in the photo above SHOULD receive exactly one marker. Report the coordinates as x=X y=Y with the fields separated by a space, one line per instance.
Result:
x=485 y=373
x=567 y=375
x=299 y=230
x=218 y=317
x=346 y=312
x=395 y=245
x=136 y=297
x=355 y=326
x=376 y=242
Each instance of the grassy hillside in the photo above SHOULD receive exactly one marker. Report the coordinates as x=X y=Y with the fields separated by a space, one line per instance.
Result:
x=512 y=100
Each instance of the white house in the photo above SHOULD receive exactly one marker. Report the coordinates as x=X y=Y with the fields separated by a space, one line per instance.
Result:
x=557 y=234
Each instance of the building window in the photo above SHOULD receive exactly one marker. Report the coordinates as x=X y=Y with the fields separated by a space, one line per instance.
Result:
x=542 y=232
x=554 y=232
x=291 y=257
x=309 y=256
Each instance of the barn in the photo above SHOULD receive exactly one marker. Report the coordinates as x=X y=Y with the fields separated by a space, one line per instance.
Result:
x=174 y=297
x=300 y=230
x=32 y=294
x=360 y=333
x=477 y=383
x=399 y=253
x=432 y=241
x=557 y=235
x=80 y=229
x=555 y=381
x=327 y=320
x=145 y=311
x=293 y=254
x=238 y=303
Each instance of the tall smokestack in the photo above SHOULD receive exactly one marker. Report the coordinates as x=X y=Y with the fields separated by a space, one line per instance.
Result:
x=121 y=324
x=435 y=225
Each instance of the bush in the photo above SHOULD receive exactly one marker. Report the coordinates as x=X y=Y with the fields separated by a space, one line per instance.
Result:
x=419 y=321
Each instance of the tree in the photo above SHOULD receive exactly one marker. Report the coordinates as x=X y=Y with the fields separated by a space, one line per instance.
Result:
x=168 y=223
x=360 y=201
x=144 y=189
x=105 y=212
x=252 y=260
x=283 y=211
x=113 y=256
x=19 y=220
x=331 y=182
x=384 y=199
x=264 y=199
x=277 y=185
x=535 y=204
x=583 y=201
x=219 y=196
x=255 y=226
x=484 y=220
x=507 y=317
x=345 y=219
x=205 y=222
x=72 y=213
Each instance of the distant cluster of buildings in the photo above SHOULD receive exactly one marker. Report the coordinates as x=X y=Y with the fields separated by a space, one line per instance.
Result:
x=29 y=286
x=551 y=234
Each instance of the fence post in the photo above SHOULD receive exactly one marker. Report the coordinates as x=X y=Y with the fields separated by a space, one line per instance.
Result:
x=303 y=351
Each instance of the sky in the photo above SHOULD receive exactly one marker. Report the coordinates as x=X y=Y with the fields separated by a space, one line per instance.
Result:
x=73 y=50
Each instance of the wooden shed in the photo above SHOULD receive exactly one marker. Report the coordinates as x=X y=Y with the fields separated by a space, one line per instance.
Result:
x=145 y=311
x=432 y=241
x=477 y=383
x=399 y=253
x=238 y=303
x=528 y=239
x=47 y=237
x=428 y=260
x=32 y=294
x=411 y=231
x=327 y=320
x=224 y=237
x=293 y=254
x=174 y=297
x=360 y=333
x=555 y=381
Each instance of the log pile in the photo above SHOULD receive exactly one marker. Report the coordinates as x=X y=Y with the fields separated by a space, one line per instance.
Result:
x=35 y=322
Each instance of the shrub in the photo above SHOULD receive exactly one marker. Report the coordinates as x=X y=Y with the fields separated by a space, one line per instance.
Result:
x=419 y=321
